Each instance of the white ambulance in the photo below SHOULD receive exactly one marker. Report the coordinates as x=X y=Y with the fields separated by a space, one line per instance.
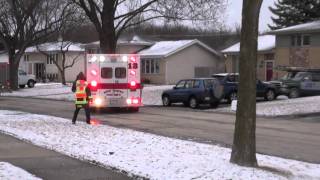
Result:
x=114 y=80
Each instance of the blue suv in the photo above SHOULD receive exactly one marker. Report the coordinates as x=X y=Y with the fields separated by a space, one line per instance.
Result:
x=192 y=92
x=230 y=81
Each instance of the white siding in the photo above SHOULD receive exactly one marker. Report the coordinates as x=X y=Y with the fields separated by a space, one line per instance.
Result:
x=182 y=64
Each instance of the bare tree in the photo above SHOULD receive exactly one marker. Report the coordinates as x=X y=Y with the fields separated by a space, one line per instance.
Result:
x=25 y=22
x=62 y=48
x=244 y=142
x=112 y=17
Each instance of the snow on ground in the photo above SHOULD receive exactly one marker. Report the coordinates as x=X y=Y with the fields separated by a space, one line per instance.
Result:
x=284 y=106
x=10 y=172
x=143 y=154
x=151 y=94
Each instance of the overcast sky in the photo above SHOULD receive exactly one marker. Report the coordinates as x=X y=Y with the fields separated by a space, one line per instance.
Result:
x=234 y=9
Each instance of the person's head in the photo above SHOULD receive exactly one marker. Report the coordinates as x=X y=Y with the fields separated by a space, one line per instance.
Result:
x=81 y=76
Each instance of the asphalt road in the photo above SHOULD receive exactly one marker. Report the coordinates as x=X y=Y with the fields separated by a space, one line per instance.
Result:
x=291 y=137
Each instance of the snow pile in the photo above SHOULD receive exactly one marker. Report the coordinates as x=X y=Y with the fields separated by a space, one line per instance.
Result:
x=152 y=95
x=143 y=154
x=10 y=172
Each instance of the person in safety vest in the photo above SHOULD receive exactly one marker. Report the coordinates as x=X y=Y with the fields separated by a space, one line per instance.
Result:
x=82 y=96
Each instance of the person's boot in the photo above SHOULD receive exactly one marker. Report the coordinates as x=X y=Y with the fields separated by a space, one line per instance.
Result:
x=88 y=121
x=73 y=122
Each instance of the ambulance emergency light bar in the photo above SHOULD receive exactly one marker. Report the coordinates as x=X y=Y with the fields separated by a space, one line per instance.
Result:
x=111 y=58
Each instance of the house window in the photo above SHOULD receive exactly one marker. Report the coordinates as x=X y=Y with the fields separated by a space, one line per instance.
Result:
x=150 y=66
x=300 y=40
x=51 y=58
x=269 y=56
x=26 y=58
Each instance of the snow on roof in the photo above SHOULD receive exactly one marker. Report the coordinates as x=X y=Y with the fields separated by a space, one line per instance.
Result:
x=56 y=46
x=167 y=48
x=135 y=40
x=265 y=43
x=306 y=27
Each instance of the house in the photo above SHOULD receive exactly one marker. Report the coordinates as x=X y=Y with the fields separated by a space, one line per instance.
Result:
x=39 y=60
x=266 y=58
x=125 y=45
x=167 y=62
x=298 y=46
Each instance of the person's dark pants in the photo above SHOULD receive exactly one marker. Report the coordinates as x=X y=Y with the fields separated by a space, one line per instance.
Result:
x=86 y=109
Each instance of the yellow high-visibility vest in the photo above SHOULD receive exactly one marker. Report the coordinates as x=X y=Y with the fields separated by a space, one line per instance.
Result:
x=81 y=95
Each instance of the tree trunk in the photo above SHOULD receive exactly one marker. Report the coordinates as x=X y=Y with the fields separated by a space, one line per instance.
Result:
x=63 y=77
x=244 y=142
x=107 y=34
x=13 y=68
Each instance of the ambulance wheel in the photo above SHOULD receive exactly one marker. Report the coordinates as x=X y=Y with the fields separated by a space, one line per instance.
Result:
x=134 y=109
x=22 y=86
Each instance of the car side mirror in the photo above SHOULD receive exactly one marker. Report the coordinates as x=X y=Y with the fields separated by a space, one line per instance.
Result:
x=175 y=87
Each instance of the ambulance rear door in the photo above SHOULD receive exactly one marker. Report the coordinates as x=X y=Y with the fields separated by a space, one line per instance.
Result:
x=114 y=81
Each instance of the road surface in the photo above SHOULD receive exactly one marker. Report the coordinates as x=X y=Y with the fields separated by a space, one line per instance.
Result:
x=295 y=138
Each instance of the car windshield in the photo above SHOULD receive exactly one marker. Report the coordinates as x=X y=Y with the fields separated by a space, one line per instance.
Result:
x=300 y=76
x=288 y=76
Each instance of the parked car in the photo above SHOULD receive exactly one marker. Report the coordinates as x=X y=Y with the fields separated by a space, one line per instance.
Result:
x=299 y=82
x=230 y=82
x=26 y=79
x=192 y=92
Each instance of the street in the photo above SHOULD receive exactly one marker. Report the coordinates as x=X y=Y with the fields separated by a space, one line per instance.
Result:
x=294 y=138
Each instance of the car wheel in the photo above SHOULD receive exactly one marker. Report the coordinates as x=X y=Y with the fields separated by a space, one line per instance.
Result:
x=22 y=86
x=166 y=100
x=294 y=93
x=215 y=104
x=270 y=95
x=31 y=84
x=193 y=103
x=233 y=96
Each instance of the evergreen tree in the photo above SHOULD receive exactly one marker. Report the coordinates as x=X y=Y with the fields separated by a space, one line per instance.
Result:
x=293 y=12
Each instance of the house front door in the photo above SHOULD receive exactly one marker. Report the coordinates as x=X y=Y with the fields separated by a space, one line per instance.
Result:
x=269 y=70
x=39 y=71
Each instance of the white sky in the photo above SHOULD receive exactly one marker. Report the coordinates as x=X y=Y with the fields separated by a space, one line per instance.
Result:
x=234 y=10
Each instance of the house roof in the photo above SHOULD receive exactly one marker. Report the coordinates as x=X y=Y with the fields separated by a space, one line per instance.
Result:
x=168 y=48
x=125 y=40
x=265 y=43
x=56 y=46
x=310 y=27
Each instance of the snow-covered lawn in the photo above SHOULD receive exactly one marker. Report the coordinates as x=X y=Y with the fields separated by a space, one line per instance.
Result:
x=151 y=95
x=143 y=154
x=10 y=172
x=284 y=106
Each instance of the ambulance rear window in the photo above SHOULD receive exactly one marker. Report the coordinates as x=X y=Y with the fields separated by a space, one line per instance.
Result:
x=106 y=73
x=121 y=72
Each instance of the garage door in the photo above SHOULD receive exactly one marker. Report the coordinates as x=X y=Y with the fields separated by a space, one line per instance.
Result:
x=200 y=72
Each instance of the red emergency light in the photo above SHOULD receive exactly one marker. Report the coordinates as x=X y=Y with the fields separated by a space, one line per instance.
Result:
x=133 y=73
x=133 y=101
x=94 y=72
x=94 y=84
x=133 y=59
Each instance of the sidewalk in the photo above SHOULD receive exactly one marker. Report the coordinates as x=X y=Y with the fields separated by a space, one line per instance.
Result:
x=47 y=164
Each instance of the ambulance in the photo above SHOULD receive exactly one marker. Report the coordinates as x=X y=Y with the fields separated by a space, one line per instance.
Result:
x=114 y=80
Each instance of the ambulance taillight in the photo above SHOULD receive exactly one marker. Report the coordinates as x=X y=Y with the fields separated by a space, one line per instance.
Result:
x=133 y=85
x=94 y=84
